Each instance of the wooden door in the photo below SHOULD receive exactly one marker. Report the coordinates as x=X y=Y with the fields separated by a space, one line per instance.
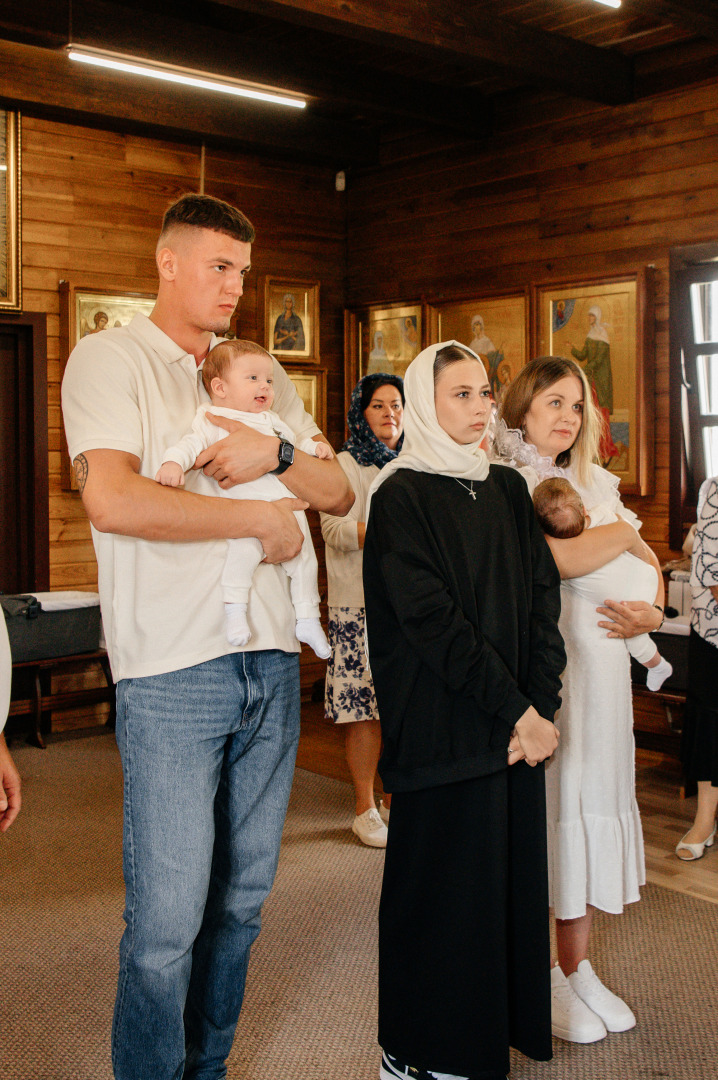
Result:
x=24 y=515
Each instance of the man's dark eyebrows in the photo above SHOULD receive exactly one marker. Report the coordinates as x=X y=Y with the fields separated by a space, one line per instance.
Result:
x=229 y=262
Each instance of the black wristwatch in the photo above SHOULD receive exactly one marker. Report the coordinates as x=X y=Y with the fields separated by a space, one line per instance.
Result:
x=286 y=457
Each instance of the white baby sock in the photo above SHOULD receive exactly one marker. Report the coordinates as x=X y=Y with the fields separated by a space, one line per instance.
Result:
x=310 y=632
x=238 y=632
x=657 y=675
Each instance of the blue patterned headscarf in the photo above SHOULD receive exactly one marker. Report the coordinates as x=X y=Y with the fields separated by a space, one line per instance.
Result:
x=362 y=443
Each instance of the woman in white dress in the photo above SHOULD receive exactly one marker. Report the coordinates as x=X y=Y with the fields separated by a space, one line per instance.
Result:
x=548 y=426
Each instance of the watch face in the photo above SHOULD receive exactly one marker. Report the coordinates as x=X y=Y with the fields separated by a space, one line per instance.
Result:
x=286 y=456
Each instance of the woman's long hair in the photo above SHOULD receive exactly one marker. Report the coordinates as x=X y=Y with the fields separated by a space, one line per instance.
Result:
x=538 y=375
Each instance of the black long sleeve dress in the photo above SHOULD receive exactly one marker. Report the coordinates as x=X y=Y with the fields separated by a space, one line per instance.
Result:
x=462 y=604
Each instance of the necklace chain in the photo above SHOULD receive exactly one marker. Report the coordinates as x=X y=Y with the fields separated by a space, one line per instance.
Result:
x=470 y=488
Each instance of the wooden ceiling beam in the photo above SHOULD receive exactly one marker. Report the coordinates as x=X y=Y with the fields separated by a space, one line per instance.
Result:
x=43 y=23
x=700 y=16
x=276 y=63
x=173 y=38
x=444 y=29
x=47 y=83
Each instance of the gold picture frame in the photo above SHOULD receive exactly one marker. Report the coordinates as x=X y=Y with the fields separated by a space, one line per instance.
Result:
x=494 y=325
x=606 y=326
x=85 y=311
x=381 y=337
x=291 y=319
x=311 y=385
x=10 y=212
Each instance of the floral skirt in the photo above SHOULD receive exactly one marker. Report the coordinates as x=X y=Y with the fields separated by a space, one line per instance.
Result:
x=349 y=694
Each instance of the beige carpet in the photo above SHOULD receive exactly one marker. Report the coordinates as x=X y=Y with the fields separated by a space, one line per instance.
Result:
x=310 y=1008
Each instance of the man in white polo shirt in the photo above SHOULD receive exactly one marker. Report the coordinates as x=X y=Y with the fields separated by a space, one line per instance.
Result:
x=207 y=732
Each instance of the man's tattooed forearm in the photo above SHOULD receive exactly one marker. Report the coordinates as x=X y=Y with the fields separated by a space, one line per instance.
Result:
x=81 y=467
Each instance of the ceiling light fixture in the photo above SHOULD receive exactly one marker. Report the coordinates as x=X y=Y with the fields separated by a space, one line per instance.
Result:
x=202 y=80
x=610 y=3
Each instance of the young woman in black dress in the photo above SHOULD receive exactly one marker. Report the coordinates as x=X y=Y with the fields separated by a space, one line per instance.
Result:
x=462 y=603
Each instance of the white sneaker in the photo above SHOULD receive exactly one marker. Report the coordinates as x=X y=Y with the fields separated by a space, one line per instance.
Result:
x=384 y=812
x=393 y=1069
x=571 y=1019
x=370 y=829
x=614 y=1012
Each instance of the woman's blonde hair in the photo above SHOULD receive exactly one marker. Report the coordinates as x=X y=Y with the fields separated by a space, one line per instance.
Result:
x=538 y=375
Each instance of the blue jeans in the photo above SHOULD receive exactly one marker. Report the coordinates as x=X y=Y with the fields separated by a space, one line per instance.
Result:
x=208 y=757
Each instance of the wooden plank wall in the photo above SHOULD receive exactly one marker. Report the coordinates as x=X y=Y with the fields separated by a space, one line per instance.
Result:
x=92 y=204
x=565 y=190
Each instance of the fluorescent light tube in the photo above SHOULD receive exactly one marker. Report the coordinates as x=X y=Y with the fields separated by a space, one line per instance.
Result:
x=610 y=3
x=133 y=65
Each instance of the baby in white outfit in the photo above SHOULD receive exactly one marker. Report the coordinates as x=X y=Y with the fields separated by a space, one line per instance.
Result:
x=238 y=377
x=561 y=513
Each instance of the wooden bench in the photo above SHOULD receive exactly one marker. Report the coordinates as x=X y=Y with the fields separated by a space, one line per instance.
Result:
x=34 y=695
x=37 y=674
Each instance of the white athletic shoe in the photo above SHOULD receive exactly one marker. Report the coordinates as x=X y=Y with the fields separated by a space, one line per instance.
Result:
x=384 y=812
x=571 y=1018
x=370 y=829
x=393 y=1069
x=614 y=1012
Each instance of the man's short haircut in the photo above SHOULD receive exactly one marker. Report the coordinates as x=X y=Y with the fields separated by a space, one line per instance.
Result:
x=206 y=212
x=559 y=508
x=219 y=359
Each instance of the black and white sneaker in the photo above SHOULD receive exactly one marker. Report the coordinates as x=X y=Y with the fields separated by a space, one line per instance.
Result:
x=392 y=1069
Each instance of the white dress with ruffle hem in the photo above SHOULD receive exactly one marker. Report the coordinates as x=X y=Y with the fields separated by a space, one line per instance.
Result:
x=595 y=840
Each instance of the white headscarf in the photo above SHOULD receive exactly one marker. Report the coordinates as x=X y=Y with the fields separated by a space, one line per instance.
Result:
x=427 y=447
x=599 y=330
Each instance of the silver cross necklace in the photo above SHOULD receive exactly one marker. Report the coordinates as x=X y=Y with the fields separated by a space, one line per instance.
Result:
x=470 y=488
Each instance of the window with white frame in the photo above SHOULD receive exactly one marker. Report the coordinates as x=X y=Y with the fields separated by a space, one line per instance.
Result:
x=694 y=383
x=702 y=357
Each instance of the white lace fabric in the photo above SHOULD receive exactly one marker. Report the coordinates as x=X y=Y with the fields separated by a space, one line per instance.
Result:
x=510 y=448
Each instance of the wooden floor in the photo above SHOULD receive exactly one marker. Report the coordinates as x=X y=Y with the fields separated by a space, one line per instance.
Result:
x=665 y=815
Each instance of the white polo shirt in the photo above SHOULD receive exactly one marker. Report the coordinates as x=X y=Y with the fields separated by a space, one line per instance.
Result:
x=133 y=389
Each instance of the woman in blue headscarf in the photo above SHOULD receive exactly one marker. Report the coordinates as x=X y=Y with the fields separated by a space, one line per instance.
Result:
x=375 y=422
